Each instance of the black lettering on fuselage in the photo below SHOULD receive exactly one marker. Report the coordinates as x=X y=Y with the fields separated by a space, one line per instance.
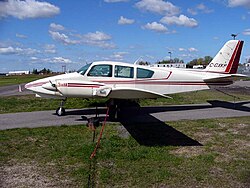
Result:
x=217 y=65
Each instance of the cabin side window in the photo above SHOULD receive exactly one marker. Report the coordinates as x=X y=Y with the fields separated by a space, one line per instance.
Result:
x=124 y=71
x=101 y=71
x=144 y=73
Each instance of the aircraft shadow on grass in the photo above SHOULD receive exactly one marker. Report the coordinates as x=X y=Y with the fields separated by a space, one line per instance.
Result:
x=230 y=105
x=150 y=131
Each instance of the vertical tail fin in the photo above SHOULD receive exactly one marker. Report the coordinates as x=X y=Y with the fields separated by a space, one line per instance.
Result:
x=227 y=59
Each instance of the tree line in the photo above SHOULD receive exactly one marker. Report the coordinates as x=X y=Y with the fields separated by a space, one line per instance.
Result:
x=43 y=71
x=199 y=61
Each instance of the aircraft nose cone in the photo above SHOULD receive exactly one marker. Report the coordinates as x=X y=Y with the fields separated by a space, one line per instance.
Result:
x=32 y=85
x=28 y=86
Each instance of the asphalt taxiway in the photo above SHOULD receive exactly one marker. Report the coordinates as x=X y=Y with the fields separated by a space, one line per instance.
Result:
x=210 y=110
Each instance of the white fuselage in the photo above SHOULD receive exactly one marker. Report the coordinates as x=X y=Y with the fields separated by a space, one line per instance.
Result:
x=125 y=81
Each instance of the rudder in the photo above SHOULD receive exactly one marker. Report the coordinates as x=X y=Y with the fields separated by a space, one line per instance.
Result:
x=227 y=59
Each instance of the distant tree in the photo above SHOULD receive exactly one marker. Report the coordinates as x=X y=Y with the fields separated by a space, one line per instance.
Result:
x=207 y=59
x=175 y=60
x=35 y=71
x=45 y=71
x=164 y=62
x=192 y=63
x=144 y=63
x=200 y=61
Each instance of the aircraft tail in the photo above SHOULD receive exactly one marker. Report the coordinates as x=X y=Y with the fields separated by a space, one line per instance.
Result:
x=227 y=59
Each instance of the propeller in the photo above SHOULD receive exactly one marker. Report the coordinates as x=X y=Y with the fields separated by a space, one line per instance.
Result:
x=50 y=86
x=53 y=85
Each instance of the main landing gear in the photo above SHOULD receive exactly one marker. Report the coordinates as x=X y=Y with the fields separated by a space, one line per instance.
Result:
x=60 y=111
x=116 y=108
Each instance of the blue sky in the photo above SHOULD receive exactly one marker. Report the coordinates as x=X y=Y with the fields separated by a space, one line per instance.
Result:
x=52 y=33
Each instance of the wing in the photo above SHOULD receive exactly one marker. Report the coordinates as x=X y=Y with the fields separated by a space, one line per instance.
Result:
x=134 y=93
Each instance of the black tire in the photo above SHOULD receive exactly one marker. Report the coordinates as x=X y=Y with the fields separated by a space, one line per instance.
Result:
x=112 y=113
x=60 y=111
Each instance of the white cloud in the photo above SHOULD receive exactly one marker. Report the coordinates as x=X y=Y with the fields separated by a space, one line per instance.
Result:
x=63 y=38
x=118 y=55
x=97 y=36
x=18 y=51
x=246 y=32
x=192 y=49
x=200 y=8
x=21 y=36
x=204 y=9
x=56 y=27
x=8 y=50
x=124 y=21
x=188 y=56
x=27 y=9
x=192 y=11
x=182 y=20
x=34 y=58
x=236 y=3
x=154 y=26
x=50 y=48
x=60 y=60
x=158 y=6
x=115 y=1
x=99 y=39
x=182 y=49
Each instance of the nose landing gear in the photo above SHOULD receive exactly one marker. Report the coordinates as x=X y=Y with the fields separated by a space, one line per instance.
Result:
x=60 y=111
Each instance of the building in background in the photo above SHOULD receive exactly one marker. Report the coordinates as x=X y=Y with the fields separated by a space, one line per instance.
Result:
x=170 y=65
x=17 y=73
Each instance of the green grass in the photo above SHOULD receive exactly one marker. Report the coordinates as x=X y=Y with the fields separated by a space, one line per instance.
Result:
x=12 y=80
x=62 y=153
x=29 y=103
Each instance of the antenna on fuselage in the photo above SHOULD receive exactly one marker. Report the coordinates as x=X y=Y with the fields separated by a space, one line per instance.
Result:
x=140 y=58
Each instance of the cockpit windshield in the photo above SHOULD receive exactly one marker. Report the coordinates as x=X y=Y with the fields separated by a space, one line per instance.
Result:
x=83 y=70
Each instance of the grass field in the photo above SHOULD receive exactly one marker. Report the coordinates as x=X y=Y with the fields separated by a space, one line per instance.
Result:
x=12 y=80
x=59 y=157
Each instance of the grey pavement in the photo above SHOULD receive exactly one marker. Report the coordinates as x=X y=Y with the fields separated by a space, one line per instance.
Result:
x=13 y=90
x=213 y=109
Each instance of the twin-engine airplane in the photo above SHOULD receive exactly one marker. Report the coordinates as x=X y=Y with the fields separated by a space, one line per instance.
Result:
x=118 y=81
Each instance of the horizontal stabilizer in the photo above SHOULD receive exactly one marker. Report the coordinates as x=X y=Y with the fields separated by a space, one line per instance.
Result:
x=239 y=75
x=134 y=93
x=222 y=78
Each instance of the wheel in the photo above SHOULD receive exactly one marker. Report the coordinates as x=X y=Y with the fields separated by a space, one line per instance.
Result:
x=112 y=113
x=60 y=111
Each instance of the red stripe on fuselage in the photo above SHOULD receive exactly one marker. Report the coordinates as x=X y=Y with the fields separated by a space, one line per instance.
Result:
x=163 y=82
x=83 y=85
